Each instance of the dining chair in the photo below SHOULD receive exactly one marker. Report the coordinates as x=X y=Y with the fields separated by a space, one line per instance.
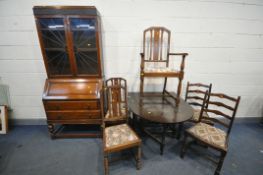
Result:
x=117 y=135
x=222 y=110
x=155 y=60
x=195 y=94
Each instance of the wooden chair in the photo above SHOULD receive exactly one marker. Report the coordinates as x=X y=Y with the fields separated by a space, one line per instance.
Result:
x=117 y=135
x=195 y=94
x=155 y=59
x=215 y=136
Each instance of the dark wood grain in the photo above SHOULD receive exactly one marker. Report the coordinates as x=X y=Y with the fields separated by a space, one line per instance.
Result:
x=71 y=97
x=158 y=109
x=161 y=110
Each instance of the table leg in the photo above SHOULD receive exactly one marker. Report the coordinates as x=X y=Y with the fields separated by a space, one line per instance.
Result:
x=179 y=131
x=132 y=120
x=163 y=138
x=141 y=126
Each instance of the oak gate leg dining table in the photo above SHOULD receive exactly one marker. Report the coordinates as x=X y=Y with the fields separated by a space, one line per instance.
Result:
x=162 y=110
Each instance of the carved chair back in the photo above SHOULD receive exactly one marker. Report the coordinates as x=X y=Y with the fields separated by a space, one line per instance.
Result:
x=221 y=109
x=116 y=92
x=156 y=44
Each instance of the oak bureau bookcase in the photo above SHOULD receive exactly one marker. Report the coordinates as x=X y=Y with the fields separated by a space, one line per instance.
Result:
x=70 y=40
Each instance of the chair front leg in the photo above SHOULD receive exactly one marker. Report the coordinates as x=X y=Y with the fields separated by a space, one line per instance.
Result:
x=184 y=146
x=164 y=86
x=220 y=163
x=106 y=163
x=138 y=158
x=141 y=84
x=179 y=88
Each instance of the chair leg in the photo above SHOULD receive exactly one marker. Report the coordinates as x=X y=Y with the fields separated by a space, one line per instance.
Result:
x=138 y=158
x=141 y=84
x=220 y=163
x=184 y=146
x=164 y=86
x=178 y=92
x=106 y=164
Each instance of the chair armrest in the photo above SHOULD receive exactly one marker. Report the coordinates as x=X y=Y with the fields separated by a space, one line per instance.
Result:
x=180 y=54
x=183 y=59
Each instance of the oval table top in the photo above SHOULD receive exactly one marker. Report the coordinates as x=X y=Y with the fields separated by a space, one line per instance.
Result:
x=159 y=109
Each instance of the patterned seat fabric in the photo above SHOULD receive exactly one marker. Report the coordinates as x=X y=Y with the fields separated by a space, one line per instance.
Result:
x=197 y=114
x=159 y=69
x=209 y=134
x=118 y=135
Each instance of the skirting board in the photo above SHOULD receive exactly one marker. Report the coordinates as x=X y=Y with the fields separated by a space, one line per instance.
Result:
x=28 y=121
x=44 y=122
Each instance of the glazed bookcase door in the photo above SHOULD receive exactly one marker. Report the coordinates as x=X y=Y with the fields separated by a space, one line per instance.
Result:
x=54 y=46
x=84 y=36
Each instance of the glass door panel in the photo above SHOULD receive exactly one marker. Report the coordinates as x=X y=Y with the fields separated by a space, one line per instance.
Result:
x=54 y=41
x=85 y=48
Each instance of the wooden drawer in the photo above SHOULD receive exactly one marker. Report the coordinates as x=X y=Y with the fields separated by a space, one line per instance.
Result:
x=71 y=105
x=70 y=115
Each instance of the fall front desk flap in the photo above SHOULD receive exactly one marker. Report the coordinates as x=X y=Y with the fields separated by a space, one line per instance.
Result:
x=72 y=89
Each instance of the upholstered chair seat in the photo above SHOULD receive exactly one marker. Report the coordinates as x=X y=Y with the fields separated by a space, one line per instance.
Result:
x=210 y=135
x=119 y=135
x=159 y=70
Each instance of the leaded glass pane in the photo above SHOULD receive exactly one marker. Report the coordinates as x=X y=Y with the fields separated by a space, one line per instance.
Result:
x=54 y=41
x=85 y=48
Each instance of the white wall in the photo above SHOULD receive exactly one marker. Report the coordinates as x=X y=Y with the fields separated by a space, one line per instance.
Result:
x=224 y=40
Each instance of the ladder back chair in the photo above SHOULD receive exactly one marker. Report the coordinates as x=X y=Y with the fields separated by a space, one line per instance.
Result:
x=155 y=59
x=117 y=135
x=195 y=94
x=222 y=110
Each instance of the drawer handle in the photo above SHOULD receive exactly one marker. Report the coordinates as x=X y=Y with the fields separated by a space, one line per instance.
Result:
x=57 y=107
x=59 y=117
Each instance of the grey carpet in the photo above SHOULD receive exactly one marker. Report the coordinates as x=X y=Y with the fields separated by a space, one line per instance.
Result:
x=28 y=150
